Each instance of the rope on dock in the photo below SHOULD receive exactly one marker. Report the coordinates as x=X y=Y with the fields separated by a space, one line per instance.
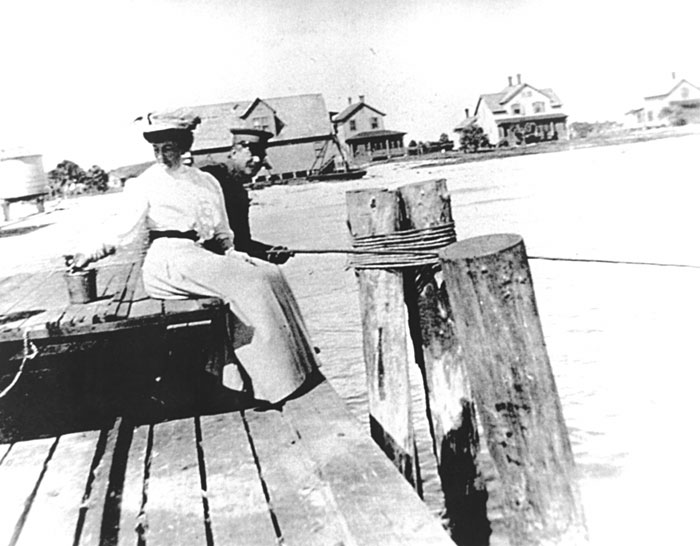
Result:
x=407 y=248
x=30 y=352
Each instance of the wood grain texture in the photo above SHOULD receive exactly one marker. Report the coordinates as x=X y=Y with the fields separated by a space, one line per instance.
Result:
x=300 y=497
x=132 y=520
x=238 y=509
x=493 y=300
x=174 y=508
x=20 y=474
x=384 y=334
x=451 y=406
x=379 y=507
x=54 y=513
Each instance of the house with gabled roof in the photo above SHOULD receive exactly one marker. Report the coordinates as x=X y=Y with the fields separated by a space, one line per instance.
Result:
x=303 y=140
x=520 y=113
x=678 y=104
x=360 y=127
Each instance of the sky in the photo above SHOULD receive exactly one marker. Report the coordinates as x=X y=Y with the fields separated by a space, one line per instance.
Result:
x=76 y=73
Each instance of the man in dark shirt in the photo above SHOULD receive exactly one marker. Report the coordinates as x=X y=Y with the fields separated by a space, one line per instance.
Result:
x=247 y=157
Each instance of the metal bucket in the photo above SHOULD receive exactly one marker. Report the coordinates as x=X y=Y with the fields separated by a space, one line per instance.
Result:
x=82 y=285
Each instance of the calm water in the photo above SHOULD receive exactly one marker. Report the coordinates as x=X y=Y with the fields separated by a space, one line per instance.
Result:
x=621 y=338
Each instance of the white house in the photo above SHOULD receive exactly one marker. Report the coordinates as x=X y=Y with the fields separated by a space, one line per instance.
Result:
x=520 y=113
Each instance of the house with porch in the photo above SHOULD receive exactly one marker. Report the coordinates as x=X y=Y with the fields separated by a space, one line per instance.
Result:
x=678 y=104
x=519 y=114
x=360 y=128
x=303 y=141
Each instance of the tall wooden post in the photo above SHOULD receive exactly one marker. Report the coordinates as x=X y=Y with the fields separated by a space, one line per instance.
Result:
x=493 y=301
x=451 y=409
x=384 y=324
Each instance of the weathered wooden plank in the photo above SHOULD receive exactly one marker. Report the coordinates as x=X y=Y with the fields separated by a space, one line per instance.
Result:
x=174 y=506
x=379 y=506
x=384 y=334
x=238 y=509
x=9 y=287
x=493 y=301
x=451 y=406
x=20 y=474
x=132 y=521
x=54 y=513
x=54 y=298
x=113 y=306
x=96 y=494
x=301 y=500
x=122 y=310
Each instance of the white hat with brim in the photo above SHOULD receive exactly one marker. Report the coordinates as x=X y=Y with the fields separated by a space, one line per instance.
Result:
x=175 y=120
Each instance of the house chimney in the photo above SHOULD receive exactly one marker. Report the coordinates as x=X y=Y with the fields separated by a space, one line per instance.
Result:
x=673 y=76
x=519 y=82
x=349 y=101
x=362 y=98
x=510 y=81
x=466 y=112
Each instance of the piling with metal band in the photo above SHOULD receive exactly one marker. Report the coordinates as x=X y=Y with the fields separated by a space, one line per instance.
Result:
x=451 y=409
x=492 y=299
x=384 y=333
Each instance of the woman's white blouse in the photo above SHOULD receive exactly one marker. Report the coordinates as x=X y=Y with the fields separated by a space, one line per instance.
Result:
x=183 y=199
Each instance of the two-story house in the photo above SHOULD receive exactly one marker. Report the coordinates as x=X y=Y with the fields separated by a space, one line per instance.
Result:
x=360 y=127
x=519 y=114
x=303 y=140
x=678 y=104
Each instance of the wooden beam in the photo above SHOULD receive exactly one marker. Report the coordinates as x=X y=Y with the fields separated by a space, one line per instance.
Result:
x=451 y=408
x=380 y=508
x=384 y=325
x=300 y=499
x=56 y=507
x=22 y=469
x=493 y=301
x=238 y=509
x=174 y=509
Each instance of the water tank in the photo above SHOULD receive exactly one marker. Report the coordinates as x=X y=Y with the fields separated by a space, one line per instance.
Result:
x=22 y=176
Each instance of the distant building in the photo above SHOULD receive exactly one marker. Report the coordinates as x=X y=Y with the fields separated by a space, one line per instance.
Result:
x=360 y=127
x=518 y=114
x=303 y=139
x=677 y=105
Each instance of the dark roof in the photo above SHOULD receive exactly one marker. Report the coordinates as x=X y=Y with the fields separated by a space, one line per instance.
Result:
x=369 y=135
x=465 y=123
x=675 y=86
x=495 y=101
x=302 y=116
x=352 y=108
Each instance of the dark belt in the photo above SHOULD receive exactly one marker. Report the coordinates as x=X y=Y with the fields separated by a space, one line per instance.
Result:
x=173 y=234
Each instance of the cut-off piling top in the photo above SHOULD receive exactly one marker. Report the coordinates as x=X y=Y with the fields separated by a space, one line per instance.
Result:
x=479 y=247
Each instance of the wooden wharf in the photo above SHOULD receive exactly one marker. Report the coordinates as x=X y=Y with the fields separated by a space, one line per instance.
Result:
x=110 y=435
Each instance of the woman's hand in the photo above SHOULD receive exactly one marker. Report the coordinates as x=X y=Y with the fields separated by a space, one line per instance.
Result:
x=233 y=253
x=81 y=260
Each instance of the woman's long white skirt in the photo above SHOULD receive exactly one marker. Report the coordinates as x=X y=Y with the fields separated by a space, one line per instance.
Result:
x=270 y=339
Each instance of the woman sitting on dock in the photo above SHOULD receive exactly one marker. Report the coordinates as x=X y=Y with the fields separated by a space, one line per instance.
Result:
x=183 y=207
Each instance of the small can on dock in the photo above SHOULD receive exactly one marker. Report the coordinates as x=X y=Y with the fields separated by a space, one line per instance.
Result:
x=82 y=285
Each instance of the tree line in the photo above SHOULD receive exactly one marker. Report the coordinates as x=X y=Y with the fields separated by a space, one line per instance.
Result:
x=69 y=179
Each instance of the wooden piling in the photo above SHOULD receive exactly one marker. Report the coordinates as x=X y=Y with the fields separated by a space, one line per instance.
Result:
x=451 y=409
x=493 y=302
x=384 y=324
